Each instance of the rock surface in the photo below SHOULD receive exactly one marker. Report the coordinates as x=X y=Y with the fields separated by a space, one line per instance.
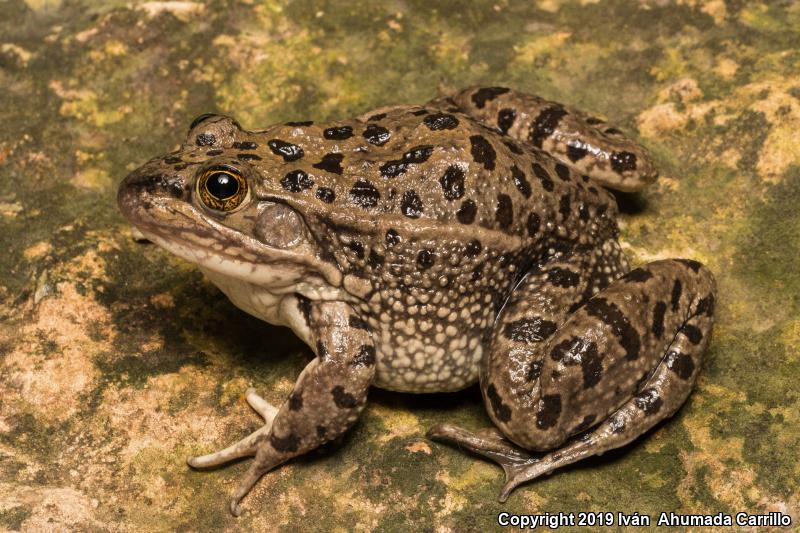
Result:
x=118 y=360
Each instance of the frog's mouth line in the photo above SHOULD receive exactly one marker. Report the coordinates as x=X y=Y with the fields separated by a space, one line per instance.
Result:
x=190 y=234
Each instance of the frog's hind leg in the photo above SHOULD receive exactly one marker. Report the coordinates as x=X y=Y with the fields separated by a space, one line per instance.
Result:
x=581 y=141
x=617 y=365
x=489 y=443
x=658 y=398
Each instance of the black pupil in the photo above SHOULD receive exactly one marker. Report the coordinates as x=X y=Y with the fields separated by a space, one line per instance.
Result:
x=222 y=185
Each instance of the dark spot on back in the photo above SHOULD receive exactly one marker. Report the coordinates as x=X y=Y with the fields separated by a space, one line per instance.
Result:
x=594 y=120
x=544 y=177
x=420 y=112
x=505 y=119
x=411 y=205
x=562 y=171
x=648 y=401
x=393 y=168
x=331 y=163
x=392 y=238
x=326 y=195
x=521 y=181
x=677 y=290
x=342 y=398
x=681 y=364
x=548 y=412
x=300 y=123
x=212 y=153
x=692 y=333
x=296 y=181
x=612 y=131
x=171 y=160
x=501 y=411
x=466 y=213
x=364 y=194
x=322 y=431
x=249 y=157
x=338 y=133
x=562 y=277
x=486 y=94
x=377 y=135
x=452 y=182
x=658 y=319
x=691 y=263
x=611 y=315
x=545 y=124
x=426 y=259
x=530 y=330
x=564 y=206
x=512 y=146
x=482 y=152
x=637 y=275
x=505 y=211
x=473 y=248
x=534 y=222
x=622 y=161
x=576 y=152
x=377 y=116
x=441 y=121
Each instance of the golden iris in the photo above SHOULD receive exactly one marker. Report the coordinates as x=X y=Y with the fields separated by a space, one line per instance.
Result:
x=222 y=189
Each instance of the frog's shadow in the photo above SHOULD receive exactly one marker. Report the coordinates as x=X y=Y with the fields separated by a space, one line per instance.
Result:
x=630 y=203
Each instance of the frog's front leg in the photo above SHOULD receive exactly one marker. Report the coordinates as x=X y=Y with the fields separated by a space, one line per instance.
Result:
x=613 y=368
x=326 y=400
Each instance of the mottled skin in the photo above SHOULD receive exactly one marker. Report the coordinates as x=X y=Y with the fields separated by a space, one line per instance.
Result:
x=420 y=249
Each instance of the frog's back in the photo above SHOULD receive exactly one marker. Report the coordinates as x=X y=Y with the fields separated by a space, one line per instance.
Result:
x=420 y=166
x=431 y=217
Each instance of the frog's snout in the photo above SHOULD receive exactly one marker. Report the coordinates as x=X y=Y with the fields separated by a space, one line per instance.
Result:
x=143 y=185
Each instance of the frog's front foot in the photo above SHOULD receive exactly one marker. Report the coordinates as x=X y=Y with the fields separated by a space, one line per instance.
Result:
x=246 y=447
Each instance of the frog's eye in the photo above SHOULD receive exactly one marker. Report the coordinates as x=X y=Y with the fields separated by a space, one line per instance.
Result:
x=222 y=189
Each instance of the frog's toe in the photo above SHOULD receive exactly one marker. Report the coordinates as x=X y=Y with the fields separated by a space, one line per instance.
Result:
x=261 y=406
x=489 y=443
x=246 y=447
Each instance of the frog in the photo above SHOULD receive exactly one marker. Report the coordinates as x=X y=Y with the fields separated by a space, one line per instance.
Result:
x=426 y=248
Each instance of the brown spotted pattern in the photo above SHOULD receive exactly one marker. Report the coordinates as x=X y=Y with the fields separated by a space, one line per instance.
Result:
x=423 y=246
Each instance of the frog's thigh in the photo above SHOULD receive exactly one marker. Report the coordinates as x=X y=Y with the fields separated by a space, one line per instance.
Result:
x=581 y=141
x=635 y=347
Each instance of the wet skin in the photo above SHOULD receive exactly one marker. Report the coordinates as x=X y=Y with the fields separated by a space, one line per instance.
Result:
x=423 y=248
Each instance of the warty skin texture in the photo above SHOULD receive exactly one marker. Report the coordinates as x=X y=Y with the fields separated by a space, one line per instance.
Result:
x=421 y=248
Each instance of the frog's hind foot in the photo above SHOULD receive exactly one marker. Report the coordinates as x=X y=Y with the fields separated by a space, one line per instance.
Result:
x=491 y=444
x=246 y=447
